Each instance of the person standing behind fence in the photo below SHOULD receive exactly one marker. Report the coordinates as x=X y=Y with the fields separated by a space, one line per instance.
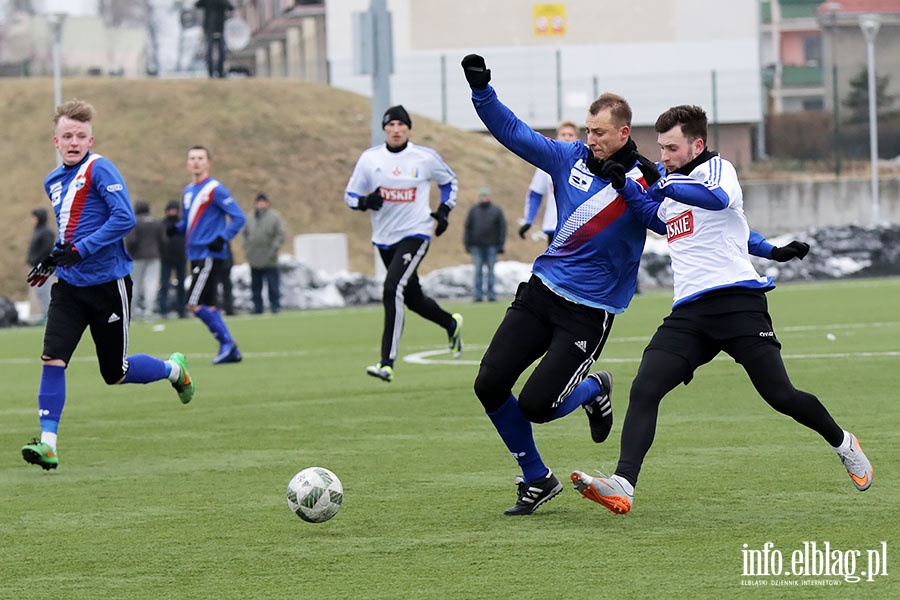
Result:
x=172 y=264
x=263 y=237
x=215 y=12
x=40 y=245
x=484 y=238
x=144 y=244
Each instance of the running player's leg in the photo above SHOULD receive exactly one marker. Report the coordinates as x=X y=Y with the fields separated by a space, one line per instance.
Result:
x=769 y=376
x=202 y=300
x=66 y=322
x=109 y=324
x=413 y=296
x=522 y=337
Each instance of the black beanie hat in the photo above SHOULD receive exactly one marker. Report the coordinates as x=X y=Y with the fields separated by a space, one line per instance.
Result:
x=396 y=113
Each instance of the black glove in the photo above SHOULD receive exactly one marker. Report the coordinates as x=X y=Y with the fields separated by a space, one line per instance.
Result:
x=371 y=202
x=171 y=229
x=793 y=250
x=500 y=250
x=524 y=229
x=440 y=215
x=65 y=255
x=42 y=272
x=217 y=244
x=477 y=74
x=608 y=169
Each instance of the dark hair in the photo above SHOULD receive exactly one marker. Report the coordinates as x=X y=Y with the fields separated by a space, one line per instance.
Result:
x=617 y=106
x=692 y=118
x=173 y=205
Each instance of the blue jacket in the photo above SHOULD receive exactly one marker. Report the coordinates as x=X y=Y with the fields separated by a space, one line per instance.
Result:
x=93 y=212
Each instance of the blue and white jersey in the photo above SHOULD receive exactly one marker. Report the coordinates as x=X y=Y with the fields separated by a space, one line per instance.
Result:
x=93 y=213
x=208 y=212
x=405 y=181
x=540 y=190
x=595 y=254
x=700 y=210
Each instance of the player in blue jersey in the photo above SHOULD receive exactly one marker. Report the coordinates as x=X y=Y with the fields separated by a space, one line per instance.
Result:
x=586 y=277
x=720 y=304
x=93 y=213
x=210 y=219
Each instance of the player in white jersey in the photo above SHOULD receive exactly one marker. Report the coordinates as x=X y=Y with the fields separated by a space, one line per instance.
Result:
x=720 y=305
x=393 y=180
x=540 y=190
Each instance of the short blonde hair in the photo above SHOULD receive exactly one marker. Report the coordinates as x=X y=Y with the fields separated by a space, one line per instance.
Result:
x=75 y=109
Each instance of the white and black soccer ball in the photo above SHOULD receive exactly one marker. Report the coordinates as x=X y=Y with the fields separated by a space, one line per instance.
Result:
x=315 y=494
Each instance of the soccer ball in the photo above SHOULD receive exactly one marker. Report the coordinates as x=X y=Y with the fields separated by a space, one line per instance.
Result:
x=315 y=494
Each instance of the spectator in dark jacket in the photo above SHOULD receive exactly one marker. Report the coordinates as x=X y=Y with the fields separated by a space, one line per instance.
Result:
x=173 y=261
x=40 y=245
x=485 y=236
x=215 y=12
x=144 y=243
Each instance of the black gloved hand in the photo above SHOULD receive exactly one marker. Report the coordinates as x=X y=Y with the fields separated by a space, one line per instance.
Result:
x=608 y=169
x=793 y=250
x=524 y=229
x=440 y=215
x=65 y=255
x=171 y=229
x=477 y=73
x=217 y=244
x=42 y=271
x=371 y=202
x=615 y=172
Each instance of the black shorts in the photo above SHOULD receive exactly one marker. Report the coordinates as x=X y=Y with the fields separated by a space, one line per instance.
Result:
x=105 y=309
x=734 y=320
x=540 y=324
x=205 y=276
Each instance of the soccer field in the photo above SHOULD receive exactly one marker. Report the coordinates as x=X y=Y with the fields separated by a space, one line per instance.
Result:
x=157 y=500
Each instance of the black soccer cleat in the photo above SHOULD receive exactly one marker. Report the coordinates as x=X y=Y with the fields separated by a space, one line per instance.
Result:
x=534 y=493
x=599 y=410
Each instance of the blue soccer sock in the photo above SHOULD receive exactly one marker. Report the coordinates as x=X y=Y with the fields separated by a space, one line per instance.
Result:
x=583 y=393
x=143 y=368
x=51 y=397
x=515 y=431
x=213 y=320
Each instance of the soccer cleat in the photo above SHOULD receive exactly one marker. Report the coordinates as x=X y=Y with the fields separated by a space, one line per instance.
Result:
x=534 y=493
x=185 y=385
x=599 y=410
x=228 y=353
x=455 y=339
x=41 y=454
x=384 y=373
x=858 y=466
x=603 y=490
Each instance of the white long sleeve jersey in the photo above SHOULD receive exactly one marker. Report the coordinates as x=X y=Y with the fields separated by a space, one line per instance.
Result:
x=542 y=185
x=708 y=248
x=405 y=180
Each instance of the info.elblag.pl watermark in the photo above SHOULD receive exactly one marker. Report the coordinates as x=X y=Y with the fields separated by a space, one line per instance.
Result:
x=813 y=563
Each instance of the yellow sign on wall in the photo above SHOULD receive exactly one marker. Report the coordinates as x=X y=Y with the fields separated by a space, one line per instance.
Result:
x=549 y=19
